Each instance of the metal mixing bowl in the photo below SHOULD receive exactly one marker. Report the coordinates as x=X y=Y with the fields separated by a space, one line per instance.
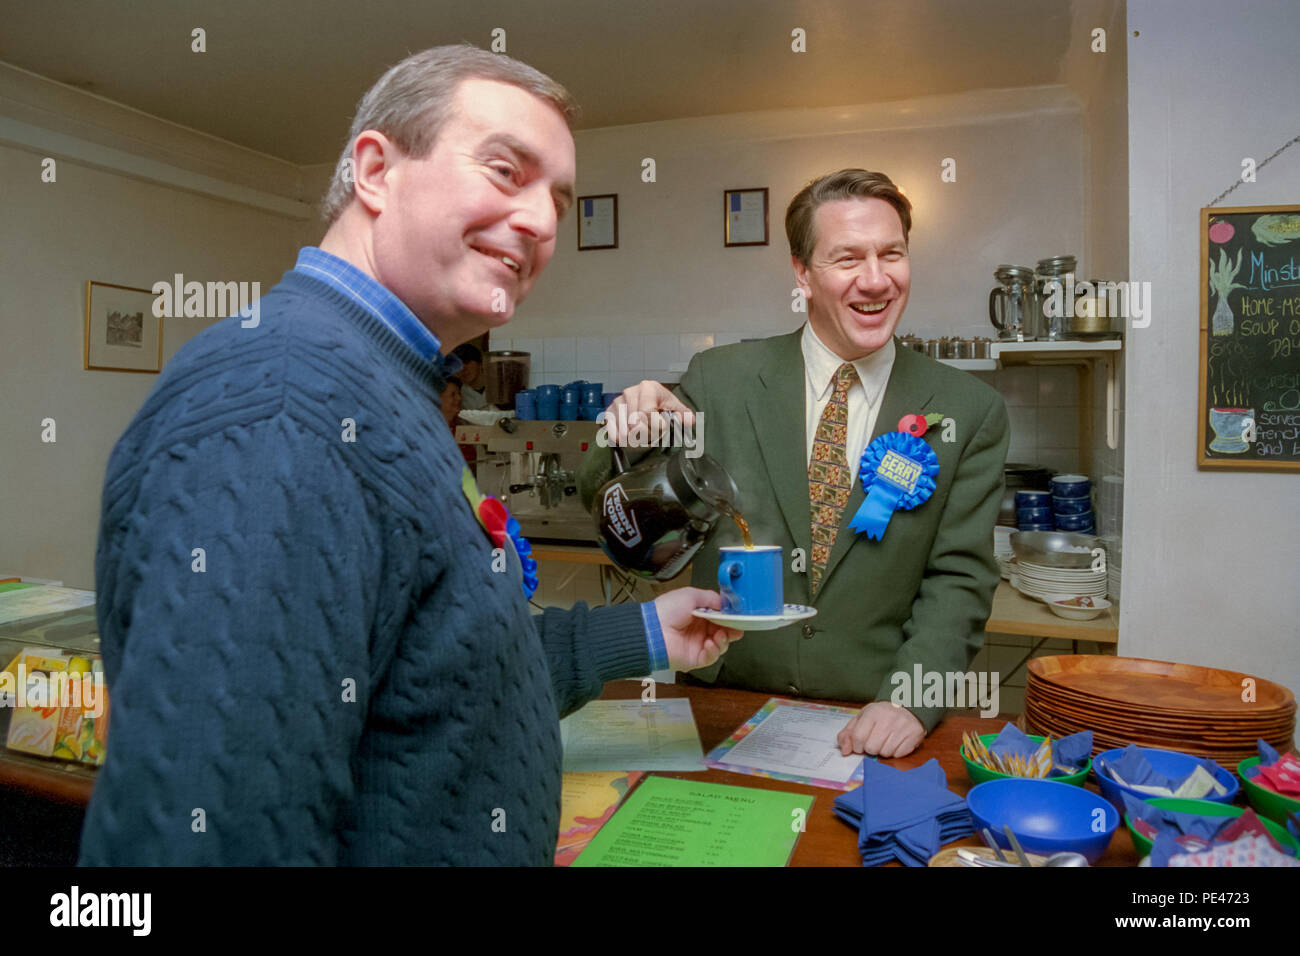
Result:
x=1048 y=548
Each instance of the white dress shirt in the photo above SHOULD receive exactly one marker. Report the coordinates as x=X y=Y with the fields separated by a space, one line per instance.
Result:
x=820 y=365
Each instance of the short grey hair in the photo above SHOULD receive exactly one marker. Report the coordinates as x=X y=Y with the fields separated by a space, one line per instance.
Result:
x=411 y=102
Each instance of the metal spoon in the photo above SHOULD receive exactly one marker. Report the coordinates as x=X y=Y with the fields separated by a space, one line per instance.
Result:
x=1067 y=859
x=1015 y=845
x=993 y=845
x=969 y=858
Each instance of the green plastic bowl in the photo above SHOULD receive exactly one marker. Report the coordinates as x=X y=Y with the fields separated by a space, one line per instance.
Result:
x=1204 y=808
x=981 y=774
x=1265 y=801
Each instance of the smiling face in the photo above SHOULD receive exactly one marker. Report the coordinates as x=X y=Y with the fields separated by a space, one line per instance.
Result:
x=857 y=279
x=462 y=234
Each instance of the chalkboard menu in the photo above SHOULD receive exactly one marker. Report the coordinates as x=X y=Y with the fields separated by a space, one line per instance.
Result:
x=1249 y=404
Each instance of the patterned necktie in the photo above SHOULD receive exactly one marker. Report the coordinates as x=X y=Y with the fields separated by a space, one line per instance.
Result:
x=829 y=477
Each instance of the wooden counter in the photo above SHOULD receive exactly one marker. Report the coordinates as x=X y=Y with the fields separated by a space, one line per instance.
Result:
x=828 y=841
x=1013 y=613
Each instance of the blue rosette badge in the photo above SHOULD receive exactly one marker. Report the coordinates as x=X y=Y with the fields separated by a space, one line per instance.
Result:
x=897 y=471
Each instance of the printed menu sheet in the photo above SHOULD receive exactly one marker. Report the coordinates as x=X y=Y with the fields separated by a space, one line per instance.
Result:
x=668 y=822
x=792 y=740
x=18 y=604
x=632 y=735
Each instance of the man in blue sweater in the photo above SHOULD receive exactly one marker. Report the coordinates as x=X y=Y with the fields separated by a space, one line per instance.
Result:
x=312 y=658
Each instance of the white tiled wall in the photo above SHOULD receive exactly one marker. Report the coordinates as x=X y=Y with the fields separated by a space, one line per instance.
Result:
x=1043 y=408
x=618 y=361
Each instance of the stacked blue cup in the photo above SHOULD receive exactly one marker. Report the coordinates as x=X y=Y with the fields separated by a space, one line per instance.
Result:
x=1034 y=510
x=526 y=405
x=1072 y=504
x=591 y=405
x=548 y=402
x=569 y=396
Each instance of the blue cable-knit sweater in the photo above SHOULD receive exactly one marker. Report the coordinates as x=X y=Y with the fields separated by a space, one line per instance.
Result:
x=338 y=675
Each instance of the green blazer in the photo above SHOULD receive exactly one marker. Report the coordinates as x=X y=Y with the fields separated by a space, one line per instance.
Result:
x=921 y=595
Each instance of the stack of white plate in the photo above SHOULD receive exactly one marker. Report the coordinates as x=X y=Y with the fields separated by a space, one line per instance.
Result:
x=1002 y=548
x=1044 y=583
x=1113 y=559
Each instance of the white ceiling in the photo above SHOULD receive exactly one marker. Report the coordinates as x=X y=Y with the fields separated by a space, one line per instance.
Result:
x=283 y=76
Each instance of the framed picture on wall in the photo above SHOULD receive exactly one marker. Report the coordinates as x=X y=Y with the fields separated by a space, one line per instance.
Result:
x=1248 y=403
x=122 y=333
x=744 y=217
x=598 y=222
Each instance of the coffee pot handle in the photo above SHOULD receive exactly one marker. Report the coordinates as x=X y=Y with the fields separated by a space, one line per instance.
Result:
x=993 y=312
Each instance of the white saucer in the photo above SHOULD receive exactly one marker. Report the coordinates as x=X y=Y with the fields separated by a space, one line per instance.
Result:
x=757 y=622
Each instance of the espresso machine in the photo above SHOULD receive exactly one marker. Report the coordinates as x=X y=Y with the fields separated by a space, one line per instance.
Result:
x=532 y=466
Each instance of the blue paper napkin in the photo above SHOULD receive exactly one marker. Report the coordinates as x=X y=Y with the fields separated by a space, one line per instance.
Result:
x=1175 y=821
x=903 y=815
x=1072 y=751
x=1134 y=768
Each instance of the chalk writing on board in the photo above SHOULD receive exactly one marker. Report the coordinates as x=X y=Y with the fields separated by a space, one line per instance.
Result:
x=1250 y=337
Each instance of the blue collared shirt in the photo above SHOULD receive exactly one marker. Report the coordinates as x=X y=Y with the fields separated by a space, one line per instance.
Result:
x=344 y=277
x=347 y=279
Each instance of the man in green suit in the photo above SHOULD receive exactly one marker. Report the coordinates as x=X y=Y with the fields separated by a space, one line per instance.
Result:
x=789 y=416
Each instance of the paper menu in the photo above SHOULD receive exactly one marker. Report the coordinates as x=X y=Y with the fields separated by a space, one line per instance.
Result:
x=587 y=801
x=792 y=740
x=667 y=822
x=632 y=735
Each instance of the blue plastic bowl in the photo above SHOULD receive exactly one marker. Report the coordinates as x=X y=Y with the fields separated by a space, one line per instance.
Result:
x=1072 y=506
x=1046 y=817
x=1171 y=763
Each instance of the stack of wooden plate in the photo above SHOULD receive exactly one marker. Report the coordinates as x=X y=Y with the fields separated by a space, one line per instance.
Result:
x=1128 y=700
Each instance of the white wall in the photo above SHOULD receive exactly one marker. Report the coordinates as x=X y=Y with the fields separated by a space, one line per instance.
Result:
x=107 y=227
x=672 y=288
x=1211 y=559
x=671 y=284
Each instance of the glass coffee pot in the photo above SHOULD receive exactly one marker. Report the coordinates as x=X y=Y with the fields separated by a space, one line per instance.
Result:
x=653 y=517
x=1013 y=309
x=1055 y=280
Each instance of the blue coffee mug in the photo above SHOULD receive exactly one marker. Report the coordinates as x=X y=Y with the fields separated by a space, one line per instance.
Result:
x=525 y=405
x=750 y=580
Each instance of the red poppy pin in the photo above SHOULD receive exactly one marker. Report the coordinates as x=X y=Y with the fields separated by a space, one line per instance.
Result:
x=918 y=425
